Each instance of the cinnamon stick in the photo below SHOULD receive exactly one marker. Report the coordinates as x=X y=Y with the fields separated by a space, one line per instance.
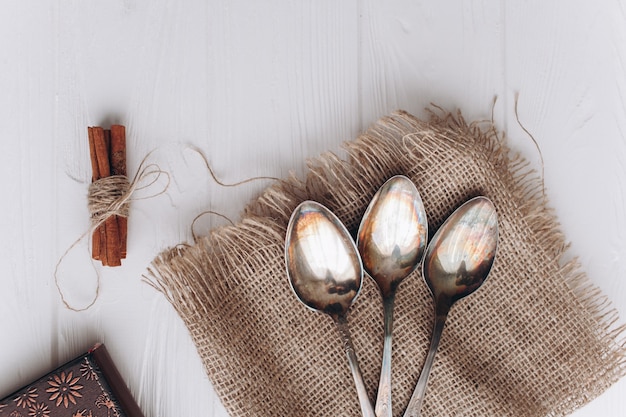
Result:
x=99 y=239
x=95 y=239
x=112 y=231
x=118 y=167
x=109 y=246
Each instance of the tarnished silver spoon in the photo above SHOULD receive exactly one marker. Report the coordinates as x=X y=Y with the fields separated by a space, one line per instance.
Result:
x=391 y=240
x=457 y=262
x=326 y=274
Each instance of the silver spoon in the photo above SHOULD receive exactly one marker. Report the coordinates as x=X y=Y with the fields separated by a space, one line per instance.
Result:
x=457 y=262
x=391 y=240
x=326 y=274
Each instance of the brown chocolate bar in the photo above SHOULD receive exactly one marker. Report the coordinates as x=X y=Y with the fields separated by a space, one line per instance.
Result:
x=88 y=386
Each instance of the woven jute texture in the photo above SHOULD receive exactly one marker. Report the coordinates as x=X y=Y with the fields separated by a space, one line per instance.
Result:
x=536 y=340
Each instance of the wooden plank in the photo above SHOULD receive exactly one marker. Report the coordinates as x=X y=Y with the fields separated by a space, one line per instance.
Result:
x=28 y=323
x=417 y=53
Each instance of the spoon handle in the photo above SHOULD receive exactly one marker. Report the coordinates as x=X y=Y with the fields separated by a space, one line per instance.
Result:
x=344 y=331
x=415 y=404
x=383 y=398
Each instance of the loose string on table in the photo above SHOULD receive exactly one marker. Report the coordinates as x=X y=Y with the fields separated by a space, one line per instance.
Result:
x=217 y=180
x=215 y=213
x=519 y=122
x=223 y=184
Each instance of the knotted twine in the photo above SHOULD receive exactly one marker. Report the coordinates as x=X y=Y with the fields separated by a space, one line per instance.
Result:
x=536 y=340
x=106 y=197
x=112 y=195
x=109 y=196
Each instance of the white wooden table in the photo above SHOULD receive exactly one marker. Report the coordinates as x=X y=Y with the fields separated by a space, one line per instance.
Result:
x=259 y=87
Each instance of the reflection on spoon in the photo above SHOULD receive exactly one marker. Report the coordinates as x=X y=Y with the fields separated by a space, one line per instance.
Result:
x=326 y=274
x=456 y=263
x=391 y=240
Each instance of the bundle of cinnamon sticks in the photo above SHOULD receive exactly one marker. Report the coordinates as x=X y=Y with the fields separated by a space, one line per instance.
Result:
x=107 y=148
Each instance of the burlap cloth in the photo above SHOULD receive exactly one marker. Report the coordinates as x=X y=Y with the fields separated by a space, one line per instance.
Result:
x=536 y=340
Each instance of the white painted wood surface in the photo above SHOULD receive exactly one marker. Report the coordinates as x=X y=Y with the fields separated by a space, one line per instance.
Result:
x=259 y=87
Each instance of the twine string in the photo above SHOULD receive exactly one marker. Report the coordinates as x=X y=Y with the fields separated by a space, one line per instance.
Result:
x=107 y=197
x=220 y=182
x=215 y=213
x=519 y=122
x=111 y=196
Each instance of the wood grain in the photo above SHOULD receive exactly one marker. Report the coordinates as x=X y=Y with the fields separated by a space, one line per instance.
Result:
x=259 y=88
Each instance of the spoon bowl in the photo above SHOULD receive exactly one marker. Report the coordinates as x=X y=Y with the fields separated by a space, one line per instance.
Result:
x=326 y=274
x=456 y=263
x=393 y=232
x=391 y=240
x=461 y=254
x=323 y=265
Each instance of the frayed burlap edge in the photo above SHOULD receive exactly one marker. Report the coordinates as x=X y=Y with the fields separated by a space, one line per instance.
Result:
x=186 y=274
